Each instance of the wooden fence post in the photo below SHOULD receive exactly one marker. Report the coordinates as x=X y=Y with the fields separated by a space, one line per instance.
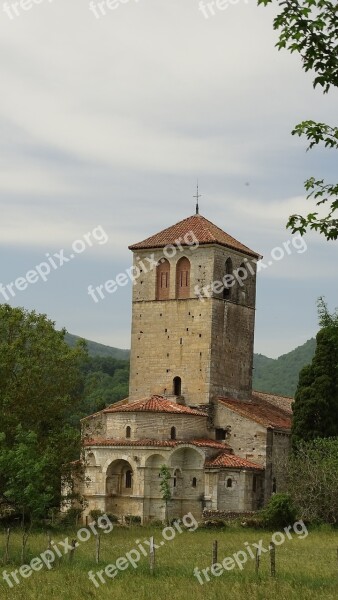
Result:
x=258 y=558
x=6 y=556
x=98 y=546
x=273 y=559
x=152 y=556
x=71 y=552
x=214 y=552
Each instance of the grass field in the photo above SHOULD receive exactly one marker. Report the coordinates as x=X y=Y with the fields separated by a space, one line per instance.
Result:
x=306 y=568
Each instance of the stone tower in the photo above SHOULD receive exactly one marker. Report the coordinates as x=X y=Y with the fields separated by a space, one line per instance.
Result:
x=193 y=314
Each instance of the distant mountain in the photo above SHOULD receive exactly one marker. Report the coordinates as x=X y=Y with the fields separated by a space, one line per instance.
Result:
x=277 y=375
x=96 y=349
x=280 y=375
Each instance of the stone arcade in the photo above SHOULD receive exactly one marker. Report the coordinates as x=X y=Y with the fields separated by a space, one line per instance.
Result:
x=191 y=404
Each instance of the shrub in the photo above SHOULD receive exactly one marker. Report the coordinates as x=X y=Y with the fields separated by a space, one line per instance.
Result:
x=96 y=513
x=112 y=518
x=72 y=516
x=280 y=511
x=214 y=524
x=132 y=519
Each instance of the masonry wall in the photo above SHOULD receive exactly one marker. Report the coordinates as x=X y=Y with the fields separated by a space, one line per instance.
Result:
x=204 y=340
x=155 y=426
x=245 y=494
x=247 y=438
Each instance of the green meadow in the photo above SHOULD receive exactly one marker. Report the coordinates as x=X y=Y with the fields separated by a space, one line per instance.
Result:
x=305 y=568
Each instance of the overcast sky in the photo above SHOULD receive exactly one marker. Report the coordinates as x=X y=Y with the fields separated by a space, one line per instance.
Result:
x=107 y=122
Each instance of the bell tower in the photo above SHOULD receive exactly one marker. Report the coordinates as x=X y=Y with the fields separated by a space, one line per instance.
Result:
x=193 y=314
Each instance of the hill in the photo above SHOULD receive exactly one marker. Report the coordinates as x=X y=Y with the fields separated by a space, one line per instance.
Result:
x=277 y=375
x=96 y=349
x=280 y=375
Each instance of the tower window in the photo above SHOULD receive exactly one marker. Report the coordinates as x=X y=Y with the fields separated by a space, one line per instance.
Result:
x=228 y=271
x=163 y=280
x=194 y=482
x=128 y=432
x=173 y=433
x=177 y=385
x=183 y=278
x=229 y=483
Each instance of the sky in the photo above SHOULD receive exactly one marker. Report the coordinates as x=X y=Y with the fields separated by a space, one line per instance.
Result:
x=106 y=122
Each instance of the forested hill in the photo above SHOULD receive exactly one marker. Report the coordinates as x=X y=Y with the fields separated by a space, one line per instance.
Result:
x=95 y=349
x=278 y=375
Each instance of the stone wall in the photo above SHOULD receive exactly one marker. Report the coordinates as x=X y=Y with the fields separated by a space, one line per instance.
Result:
x=156 y=426
x=207 y=342
x=247 y=438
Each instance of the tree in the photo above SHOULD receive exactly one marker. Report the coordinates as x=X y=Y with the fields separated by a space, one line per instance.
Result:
x=310 y=27
x=165 y=477
x=312 y=480
x=40 y=385
x=315 y=410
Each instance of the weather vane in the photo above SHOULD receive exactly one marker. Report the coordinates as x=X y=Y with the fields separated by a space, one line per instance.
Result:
x=198 y=196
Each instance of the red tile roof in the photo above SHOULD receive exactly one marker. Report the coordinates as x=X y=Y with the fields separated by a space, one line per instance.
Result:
x=204 y=231
x=282 y=402
x=155 y=404
x=203 y=443
x=225 y=460
x=260 y=411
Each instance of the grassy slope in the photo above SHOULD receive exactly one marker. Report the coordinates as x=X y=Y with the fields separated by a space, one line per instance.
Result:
x=306 y=569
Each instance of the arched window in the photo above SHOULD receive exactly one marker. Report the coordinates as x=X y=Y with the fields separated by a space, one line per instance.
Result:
x=183 y=278
x=229 y=483
x=194 y=482
x=128 y=432
x=226 y=280
x=242 y=286
x=129 y=479
x=177 y=385
x=163 y=279
x=274 y=485
x=176 y=476
x=173 y=433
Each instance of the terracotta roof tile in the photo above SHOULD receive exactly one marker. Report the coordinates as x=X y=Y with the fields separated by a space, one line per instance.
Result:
x=260 y=411
x=282 y=402
x=155 y=404
x=205 y=232
x=203 y=443
x=232 y=461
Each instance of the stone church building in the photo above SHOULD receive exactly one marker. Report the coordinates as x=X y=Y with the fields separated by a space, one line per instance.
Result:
x=191 y=405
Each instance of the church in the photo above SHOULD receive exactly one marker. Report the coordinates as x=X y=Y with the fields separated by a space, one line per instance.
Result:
x=191 y=405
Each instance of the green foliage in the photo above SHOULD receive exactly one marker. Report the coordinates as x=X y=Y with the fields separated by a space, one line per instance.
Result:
x=279 y=512
x=310 y=28
x=96 y=349
x=312 y=480
x=165 y=476
x=280 y=376
x=316 y=401
x=132 y=519
x=41 y=383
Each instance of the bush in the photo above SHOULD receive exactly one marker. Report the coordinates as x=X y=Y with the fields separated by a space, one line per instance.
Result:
x=112 y=518
x=214 y=524
x=156 y=523
x=72 y=516
x=96 y=513
x=279 y=512
x=132 y=519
